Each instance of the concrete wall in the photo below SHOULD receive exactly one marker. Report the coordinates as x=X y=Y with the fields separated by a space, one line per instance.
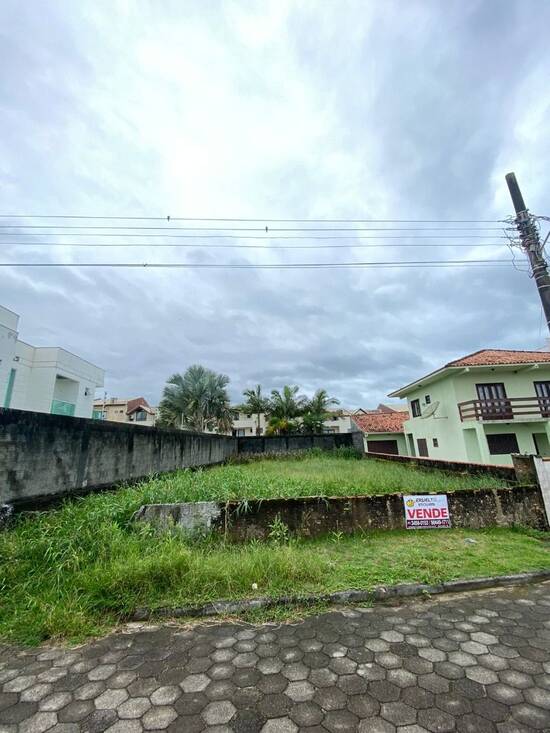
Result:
x=508 y=473
x=43 y=456
x=314 y=516
x=289 y=443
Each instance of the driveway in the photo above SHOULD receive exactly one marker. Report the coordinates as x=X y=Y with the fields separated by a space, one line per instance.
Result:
x=467 y=663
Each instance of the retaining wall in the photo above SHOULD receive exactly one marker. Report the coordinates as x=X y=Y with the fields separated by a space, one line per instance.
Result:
x=313 y=516
x=508 y=473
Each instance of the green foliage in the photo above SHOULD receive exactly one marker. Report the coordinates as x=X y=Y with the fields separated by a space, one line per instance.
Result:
x=197 y=400
x=256 y=403
x=278 y=531
x=313 y=423
x=320 y=403
x=281 y=426
x=287 y=404
x=289 y=411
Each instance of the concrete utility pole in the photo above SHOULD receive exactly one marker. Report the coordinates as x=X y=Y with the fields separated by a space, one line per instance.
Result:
x=530 y=241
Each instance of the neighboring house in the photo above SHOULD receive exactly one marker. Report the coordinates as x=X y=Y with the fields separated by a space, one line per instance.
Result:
x=481 y=408
x=136 y=410
x=340 y=421
x=43 y=379
x=245 y=423
x=383 y=430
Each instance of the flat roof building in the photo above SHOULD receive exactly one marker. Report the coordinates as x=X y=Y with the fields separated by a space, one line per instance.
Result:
x=43 y=379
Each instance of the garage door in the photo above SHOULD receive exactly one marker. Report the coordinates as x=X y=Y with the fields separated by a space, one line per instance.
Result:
x=383 y=446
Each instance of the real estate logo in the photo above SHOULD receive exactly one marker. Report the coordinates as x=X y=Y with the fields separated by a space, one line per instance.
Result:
x=427 y=512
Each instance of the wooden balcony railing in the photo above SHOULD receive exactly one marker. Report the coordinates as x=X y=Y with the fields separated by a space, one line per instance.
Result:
x=505 y=408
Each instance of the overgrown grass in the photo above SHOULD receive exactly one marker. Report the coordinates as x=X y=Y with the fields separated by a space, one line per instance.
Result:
x=313 y=474
x=78 y=570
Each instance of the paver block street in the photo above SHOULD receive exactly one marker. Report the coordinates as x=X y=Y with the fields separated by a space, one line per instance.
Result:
x=472 y=663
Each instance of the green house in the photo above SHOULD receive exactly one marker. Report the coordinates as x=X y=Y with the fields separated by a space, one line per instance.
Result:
x=481 y=408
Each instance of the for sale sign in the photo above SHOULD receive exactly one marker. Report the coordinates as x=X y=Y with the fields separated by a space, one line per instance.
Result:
x=427 y=512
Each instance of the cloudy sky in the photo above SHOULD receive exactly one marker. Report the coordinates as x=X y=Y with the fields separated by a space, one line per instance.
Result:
x=271 y=110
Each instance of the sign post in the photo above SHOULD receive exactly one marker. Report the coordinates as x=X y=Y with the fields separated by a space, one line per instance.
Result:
x=427 y=512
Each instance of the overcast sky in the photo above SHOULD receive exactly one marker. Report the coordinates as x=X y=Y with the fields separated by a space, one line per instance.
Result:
x=284 y=109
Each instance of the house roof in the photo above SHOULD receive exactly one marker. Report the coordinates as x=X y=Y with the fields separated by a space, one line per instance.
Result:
x=491 y=357
x=381 y=422
x=136 y=404
x=481 y=358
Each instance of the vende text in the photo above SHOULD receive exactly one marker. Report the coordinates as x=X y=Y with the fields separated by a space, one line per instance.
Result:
x=433 y=513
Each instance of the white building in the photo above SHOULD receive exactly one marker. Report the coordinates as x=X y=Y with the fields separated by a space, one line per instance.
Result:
x=246 y=423
x=43 y=379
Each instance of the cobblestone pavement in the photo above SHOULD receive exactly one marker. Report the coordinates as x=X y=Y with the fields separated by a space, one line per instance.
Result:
x=471 y=663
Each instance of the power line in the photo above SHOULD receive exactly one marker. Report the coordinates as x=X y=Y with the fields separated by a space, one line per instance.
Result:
x=254 y=229
x=241 y=219
x=247 y=236
x=268 y=248
x=293 y=266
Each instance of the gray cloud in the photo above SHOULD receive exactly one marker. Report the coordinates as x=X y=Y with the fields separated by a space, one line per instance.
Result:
x=278 y=109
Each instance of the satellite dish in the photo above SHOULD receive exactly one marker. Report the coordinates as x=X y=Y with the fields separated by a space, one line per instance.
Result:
x=430 y=409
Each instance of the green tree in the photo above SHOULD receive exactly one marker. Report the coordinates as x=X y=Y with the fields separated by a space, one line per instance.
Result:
x=287 y=404
x=256 y=403
x=197 y=400
x=316 y=411
x=281 y=426
x=320 y=403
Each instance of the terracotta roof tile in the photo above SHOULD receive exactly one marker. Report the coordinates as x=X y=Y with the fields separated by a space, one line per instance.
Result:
x=381 y=422
x=135 y=403
x=487 y=357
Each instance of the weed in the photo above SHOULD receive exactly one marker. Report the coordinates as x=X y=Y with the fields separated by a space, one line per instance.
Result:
x=278 y=531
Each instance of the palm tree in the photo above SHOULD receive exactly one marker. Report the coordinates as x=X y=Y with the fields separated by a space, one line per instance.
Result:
x=197 y=400
x=256 y=403
x=320 y=402
x=317 y=411
x=287 y=404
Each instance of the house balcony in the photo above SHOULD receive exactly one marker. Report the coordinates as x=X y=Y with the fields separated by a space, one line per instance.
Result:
x=507 y=409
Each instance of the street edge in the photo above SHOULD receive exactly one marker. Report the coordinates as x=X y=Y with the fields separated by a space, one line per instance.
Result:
x=378 y=594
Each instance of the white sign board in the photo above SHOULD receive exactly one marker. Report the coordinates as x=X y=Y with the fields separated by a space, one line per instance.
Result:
x=427 y=512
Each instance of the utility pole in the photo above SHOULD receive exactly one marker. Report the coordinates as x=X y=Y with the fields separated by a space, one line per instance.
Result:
x=530 y=242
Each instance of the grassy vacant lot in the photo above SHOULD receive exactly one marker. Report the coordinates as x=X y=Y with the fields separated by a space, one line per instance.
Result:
x=78 y=570
x=313 y=474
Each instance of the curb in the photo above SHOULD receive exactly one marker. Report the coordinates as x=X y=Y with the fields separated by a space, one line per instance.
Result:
x=375 y=595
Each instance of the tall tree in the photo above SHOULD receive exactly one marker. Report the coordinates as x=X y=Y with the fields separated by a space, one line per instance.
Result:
x=197 y=400
x=287 y=404
x=317 y=411
x=320 y=403
x=256 y=403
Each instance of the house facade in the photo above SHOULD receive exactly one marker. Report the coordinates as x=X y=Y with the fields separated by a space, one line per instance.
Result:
x=481 y=408
x=383 y=430
x=245 y=423
x=43 y=379
x=135 y=410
